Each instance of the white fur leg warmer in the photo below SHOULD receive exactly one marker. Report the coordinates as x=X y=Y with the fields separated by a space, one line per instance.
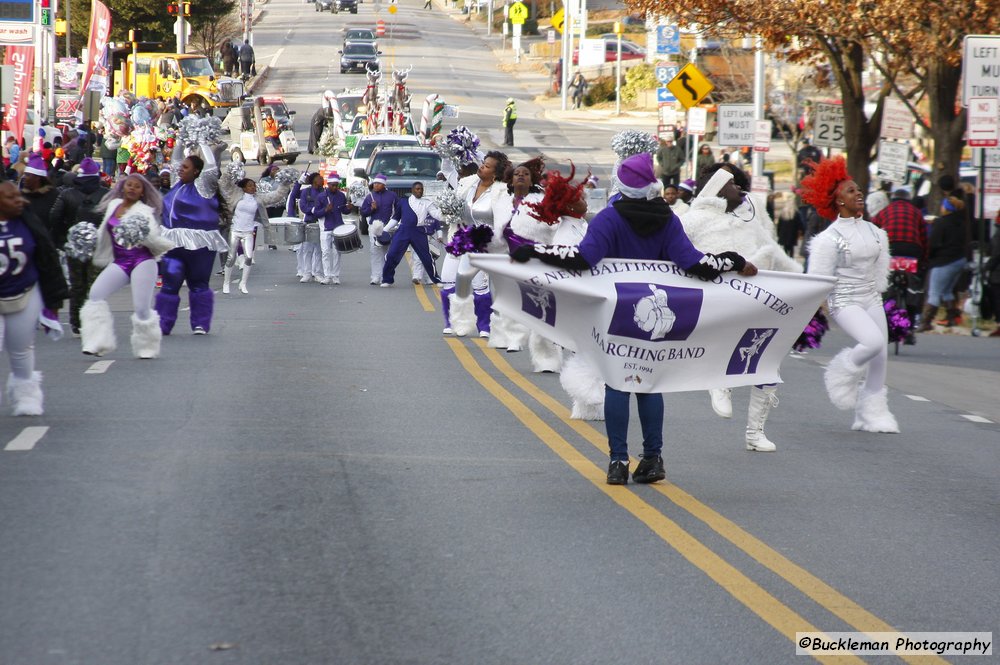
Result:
x=146 y=337
x=498 y=332
x=463 y=316
x=97 y=328
x=584 y=384
x=872 y=414
x=25 y=395
x=546 y=355
x=841 y=378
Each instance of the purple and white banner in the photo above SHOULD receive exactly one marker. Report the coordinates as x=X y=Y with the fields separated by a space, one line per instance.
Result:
x=649 y=327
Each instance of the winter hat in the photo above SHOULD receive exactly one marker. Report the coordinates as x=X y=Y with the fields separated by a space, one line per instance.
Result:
x=687 y=185
x=88 y=167
x=715 y=183
x=36 y=166
x=876 y=202
x=333 y=176
x=901 y=193
x=380 y=178
x=637 y=171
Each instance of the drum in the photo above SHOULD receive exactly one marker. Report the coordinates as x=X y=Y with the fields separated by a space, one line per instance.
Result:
x=312 y=232
x=279 y=233
x=295 y=232
x=346 y=238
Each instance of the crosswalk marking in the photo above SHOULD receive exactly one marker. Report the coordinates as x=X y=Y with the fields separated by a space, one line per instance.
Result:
x=918 y=398
x=27 y=439
x=99 y=367
x=976 y=419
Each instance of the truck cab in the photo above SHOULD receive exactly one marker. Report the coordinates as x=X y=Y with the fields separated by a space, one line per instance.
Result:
x=185 y=75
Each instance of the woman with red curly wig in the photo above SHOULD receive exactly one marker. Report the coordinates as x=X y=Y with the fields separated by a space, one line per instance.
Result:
x=856 y=252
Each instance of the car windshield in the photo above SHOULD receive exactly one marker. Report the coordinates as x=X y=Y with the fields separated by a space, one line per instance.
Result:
x=277 y=108
x=366 y=148
x=359 y=34
x=359 y=49
x=196 y=67
x=424 y=165
x=348 y=106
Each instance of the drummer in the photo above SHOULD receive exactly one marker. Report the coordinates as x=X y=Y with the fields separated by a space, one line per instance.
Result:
x=417 y=222
x=310 y=260
x=329 y=208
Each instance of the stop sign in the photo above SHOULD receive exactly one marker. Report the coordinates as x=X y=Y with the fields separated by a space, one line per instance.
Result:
x=380 y=28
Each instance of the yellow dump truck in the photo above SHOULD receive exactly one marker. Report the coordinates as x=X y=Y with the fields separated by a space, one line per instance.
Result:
x=188 y=76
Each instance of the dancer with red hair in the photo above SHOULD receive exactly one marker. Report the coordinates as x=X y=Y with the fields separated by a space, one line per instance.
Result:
x=856 y=252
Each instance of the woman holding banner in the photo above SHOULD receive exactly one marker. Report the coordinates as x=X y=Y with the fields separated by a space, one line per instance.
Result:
x=856 y=252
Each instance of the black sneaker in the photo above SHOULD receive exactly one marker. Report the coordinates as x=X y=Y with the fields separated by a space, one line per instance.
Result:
x=618 y=473
x=649 y=470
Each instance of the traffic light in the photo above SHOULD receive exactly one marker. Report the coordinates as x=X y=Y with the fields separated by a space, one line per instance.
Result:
x=187 y=8
x=173 y=10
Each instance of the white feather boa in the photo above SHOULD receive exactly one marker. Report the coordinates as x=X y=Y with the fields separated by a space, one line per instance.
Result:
x=711 y=229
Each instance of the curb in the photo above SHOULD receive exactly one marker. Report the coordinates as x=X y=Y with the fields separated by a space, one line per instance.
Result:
x=261 y=76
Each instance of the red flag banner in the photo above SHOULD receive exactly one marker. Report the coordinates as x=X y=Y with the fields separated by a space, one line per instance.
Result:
x=23 y=60
x=95 y=76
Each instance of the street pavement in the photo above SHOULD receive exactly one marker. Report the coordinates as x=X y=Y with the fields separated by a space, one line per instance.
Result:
x=325 y=479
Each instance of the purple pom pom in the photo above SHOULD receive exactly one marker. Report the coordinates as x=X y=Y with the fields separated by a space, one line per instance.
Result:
x=470 y=240
x=813 y=333
x=897 y=320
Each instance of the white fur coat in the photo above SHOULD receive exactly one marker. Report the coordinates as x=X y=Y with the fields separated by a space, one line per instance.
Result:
x=154 y=242
x=712 y=229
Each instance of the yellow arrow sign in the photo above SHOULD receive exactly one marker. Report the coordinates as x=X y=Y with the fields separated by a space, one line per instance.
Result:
x=518 y=13
x=690 y=86
x=558 y=20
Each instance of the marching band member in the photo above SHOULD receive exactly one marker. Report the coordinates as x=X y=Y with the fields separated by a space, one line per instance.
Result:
x=132 y=197
x=381 y=207
x=639 y=225
x=331 y=206
x=714 y=223
x=310 y=257
x=30 y=260
x=247 y=212
x=856 y=252
x=192 y=210
x=415 y=214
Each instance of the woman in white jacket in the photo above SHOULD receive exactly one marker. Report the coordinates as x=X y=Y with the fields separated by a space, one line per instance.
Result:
x=133 y=198
x=720 y=219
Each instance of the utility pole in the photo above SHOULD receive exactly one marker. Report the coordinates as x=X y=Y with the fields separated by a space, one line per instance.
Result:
x=757 y=164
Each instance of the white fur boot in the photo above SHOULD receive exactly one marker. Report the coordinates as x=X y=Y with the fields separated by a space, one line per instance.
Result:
x=463 y=316
x=872 y=413
x=517 y=335
x=97 y=328
x=586 y=386
x=841 y=379
x=762 y=400
x=546 y=355
x=722 y=401
x=498 y=331
x=25 y=395
x=146 y=337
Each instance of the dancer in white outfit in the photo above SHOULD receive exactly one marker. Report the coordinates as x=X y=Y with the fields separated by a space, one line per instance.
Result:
x=247 y=212
x=856 y=252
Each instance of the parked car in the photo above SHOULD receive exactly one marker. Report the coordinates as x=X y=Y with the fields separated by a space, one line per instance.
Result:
x=630 y=51
x=358 y=35
x=345 y=6
x=324 y=5
x=358 y=57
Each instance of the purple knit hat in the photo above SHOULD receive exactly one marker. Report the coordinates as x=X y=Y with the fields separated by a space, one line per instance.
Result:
x=88 y=168
x=380 y=178
x=36 y=166
x=637 y=171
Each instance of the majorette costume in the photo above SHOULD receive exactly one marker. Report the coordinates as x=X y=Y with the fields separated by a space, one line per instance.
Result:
x=191 y=222
x=382 y=211
x=856 y=252
x=712 y=229
x=638 y=226
x=330 y=220
x=506 y=333
x=124 y=264
x=492 y=209
x=247 y=212
x=31 y=286
x=416 y=221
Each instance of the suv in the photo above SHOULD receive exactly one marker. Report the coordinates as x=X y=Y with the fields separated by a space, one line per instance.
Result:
x=358 y=35
x=325 y=5
x=404 y=166
x=356 y=166
x=358 y=57
x=345 y=6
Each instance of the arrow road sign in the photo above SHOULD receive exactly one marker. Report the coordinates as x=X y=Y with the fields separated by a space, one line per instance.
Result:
x=664 y=96
x=690 y=86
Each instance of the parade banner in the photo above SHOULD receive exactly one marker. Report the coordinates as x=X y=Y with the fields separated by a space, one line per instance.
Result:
x=95 y=75
x=23 y=60
x=648 y=327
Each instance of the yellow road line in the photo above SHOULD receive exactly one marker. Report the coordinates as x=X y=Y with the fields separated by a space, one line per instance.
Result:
x=425 y=302
x=819 y=591
x=782 y=618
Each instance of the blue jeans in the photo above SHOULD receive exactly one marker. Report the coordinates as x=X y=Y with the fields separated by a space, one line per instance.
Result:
x=616 y=415
x=942 y=281
x=109 y=166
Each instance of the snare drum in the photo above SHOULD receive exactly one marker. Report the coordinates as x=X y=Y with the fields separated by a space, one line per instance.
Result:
x=312 y=232
x=346 y=238
x=295 y=232
x=279 y=230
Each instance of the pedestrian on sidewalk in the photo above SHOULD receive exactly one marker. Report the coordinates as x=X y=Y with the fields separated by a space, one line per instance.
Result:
x=509 y=118
x=579 y=86
x=669 y=159
x=427 y=5
x=248 y=61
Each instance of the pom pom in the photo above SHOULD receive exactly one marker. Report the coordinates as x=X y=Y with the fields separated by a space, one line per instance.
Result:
x=470 y=240
x=897 y=320
x=819 y=189
x=81 y=241
x=461 y=146
x=813 y=333
x=357 y=192
x=236 y=172
x=451 y=207
x=633 y=142
x=131 y=231
x=560 y=197
x=195 y=131
x=287 y=176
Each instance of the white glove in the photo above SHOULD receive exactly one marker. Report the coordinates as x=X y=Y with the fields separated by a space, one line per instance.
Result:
x=304 y=178
x=391 y=226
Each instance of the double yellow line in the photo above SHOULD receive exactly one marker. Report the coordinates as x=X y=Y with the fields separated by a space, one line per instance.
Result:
x=779 y=615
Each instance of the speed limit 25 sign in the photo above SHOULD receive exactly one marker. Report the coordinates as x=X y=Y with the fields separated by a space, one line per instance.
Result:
x=829 y=126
